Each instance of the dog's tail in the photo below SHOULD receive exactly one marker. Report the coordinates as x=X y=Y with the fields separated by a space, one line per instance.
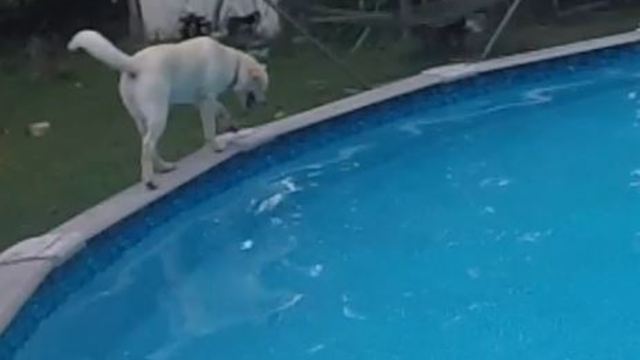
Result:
x=103 y=50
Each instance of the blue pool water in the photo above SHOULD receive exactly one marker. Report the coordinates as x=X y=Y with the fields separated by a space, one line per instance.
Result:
x=495 y=219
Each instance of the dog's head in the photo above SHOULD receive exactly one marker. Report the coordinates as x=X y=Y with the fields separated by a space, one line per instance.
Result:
x=252 y=84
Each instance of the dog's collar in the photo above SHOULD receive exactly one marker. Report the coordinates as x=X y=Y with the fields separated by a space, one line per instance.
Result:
x=236 y=75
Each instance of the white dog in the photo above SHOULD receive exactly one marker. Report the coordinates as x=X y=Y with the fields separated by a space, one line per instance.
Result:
x=194 y=72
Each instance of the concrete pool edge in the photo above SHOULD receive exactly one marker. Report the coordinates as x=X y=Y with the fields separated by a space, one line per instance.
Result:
x=26 y=265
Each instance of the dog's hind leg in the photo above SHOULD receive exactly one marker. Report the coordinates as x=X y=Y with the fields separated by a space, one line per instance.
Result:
x=129 y=101
x=156 y=121
x=159 y=164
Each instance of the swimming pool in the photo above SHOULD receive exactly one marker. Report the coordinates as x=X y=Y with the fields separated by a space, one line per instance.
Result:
x=490 y=218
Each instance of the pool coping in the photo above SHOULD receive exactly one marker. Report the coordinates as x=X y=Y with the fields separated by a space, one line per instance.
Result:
x=26 y=265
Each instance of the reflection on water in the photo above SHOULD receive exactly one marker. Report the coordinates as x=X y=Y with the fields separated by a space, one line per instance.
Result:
x=229 y=293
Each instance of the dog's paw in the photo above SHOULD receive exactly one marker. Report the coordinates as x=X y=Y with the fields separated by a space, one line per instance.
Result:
x=217 y=147
x=151 y=185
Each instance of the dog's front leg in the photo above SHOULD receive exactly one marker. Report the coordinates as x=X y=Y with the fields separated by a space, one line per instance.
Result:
x=226 y=118
x=208 y=115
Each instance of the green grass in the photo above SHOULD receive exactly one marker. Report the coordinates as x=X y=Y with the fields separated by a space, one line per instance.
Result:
x=518 y=38
x=92 y=150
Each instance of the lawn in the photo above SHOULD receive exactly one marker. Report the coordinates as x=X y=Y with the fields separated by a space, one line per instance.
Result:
x=92 y=149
